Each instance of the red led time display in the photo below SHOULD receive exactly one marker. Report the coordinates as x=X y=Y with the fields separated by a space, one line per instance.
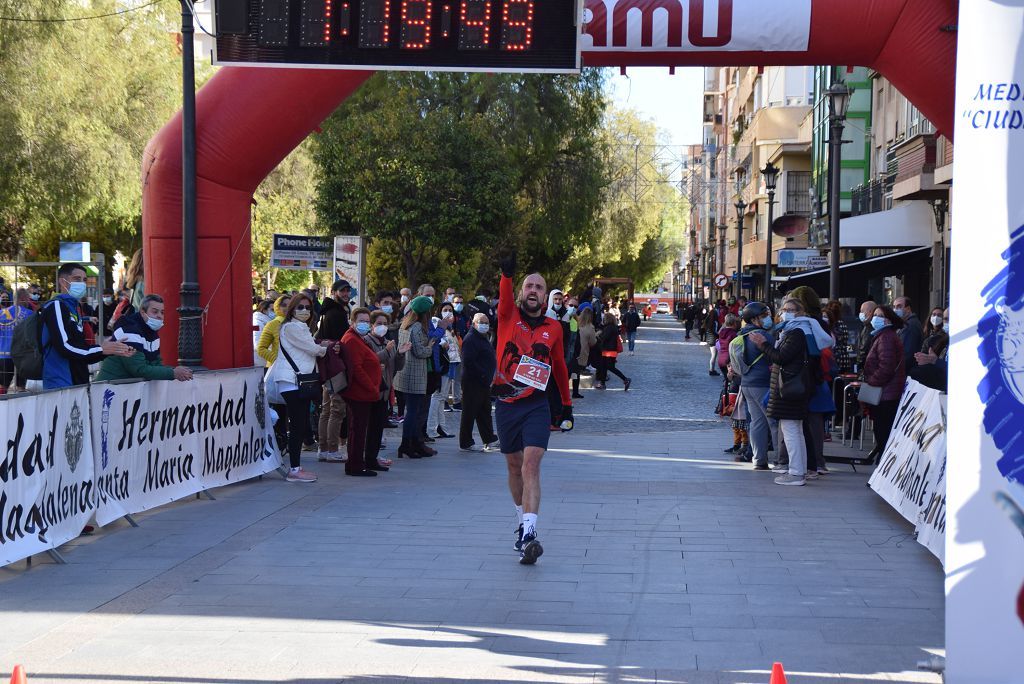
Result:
x=452 y=35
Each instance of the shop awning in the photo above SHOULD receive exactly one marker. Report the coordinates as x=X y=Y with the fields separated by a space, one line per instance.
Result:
x=897 y=263
x=908 y=225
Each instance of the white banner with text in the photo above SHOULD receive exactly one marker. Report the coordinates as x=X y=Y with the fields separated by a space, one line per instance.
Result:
x=157 y=442
x=911 y=474
x=46 y=471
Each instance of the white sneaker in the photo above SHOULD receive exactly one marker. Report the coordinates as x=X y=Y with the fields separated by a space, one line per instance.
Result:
x=472 y=447
x=792 y=480
x=492 y=447
x=300 y=475
x=331 y=457
x=780 y=468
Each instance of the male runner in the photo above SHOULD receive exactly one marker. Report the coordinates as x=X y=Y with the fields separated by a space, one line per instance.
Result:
x=526 y=338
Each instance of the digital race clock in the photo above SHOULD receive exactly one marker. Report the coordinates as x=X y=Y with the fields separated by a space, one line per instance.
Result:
x=439 y=35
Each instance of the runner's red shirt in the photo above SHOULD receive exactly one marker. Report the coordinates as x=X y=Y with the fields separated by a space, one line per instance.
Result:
x=517 y=339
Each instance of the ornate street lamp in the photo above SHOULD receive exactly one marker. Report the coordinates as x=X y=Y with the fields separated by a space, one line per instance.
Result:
x=838 y=104
x=741 y=209
x=771 y=178
x=941 y=208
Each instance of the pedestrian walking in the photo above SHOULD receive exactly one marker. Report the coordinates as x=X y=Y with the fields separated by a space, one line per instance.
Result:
x=631 y=321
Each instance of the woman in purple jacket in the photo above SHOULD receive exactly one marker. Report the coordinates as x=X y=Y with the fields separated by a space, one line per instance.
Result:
x=885 y=368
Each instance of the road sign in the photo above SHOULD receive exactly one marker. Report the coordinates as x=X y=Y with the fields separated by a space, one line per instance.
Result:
x=721 y=281
x=435 y=35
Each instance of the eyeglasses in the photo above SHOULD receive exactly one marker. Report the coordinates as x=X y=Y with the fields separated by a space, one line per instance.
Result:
x=302 y=307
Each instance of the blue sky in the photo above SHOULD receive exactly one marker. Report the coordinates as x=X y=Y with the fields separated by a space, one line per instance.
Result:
x=674 y=102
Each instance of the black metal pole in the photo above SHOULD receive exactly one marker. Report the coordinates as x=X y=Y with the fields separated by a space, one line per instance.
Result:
x=835 y=143
x=768 y=250
x=739 y=258
x=190 y=332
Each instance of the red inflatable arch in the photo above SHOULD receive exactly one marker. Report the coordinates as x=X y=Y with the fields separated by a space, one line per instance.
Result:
x=249 y=119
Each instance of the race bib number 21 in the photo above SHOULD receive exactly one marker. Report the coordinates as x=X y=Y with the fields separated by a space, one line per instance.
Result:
x=533 y=373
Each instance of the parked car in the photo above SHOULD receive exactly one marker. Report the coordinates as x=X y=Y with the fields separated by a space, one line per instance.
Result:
x=663 y=308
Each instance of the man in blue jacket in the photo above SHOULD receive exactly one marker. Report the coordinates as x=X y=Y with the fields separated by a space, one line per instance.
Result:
x=66 y=354
x=755 y=378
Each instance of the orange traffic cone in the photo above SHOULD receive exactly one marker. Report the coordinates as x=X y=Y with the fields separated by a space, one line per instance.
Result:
x=18 y=676
x=778 y=676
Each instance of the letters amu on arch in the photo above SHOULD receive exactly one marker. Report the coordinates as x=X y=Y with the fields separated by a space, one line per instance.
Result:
x=597 y=28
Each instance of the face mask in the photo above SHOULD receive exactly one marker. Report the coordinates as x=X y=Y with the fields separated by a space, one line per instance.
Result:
x=380 y=330
x=937 y=321
x=878 y=322
x=362 y=327
x=34 y=297
x=900 y=311
x=405 y=298
x=571 y=310
x=483 y=328
x=108 y=300
x=449 y=298
x=76 y=290
x=447 y=315
x=766 y=322
x=302 y=315
x=863 y=317
x=154 y=324
x=788 y=316
x=459 y=308
x=388 y=309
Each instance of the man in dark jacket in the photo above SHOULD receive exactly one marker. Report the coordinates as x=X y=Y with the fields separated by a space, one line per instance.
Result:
x=139 y=331
x=66 y=354
x=334 y=312
x=867 y=310
x=631 y=321
x=689 y=316
x=911 y=334
x=478 y=365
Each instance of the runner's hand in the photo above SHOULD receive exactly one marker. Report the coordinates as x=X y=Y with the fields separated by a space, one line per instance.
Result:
x=508 y=265
x=567 y=416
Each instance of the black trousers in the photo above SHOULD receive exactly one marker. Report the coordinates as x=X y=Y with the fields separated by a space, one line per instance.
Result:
x=884 y=415
x=298 y=424
x=375 y=430
x=476 y=408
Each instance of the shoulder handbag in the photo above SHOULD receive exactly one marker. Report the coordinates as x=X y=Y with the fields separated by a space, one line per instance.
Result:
x=309 y=383
x=798 y=385
x=869 y=394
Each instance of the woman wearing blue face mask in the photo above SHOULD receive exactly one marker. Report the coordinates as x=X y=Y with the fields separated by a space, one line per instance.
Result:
x=885 y=368
x=363 y=391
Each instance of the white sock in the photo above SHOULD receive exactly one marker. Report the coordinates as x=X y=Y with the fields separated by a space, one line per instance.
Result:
x=295 y=470
x=529 y=523
x=519 y=514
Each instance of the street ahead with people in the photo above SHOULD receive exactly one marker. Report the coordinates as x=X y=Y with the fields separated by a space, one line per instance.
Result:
x=665 y=559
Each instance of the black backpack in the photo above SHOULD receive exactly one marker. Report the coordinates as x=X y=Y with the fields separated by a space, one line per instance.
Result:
x=27 y=347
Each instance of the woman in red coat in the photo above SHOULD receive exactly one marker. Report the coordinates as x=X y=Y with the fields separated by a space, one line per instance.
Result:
x=885 y=368
x=364 y=377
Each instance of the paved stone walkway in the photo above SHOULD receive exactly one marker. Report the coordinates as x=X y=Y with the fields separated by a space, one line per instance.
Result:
x=665 y=562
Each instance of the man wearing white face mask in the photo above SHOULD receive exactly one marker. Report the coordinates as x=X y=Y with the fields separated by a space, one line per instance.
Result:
x=140 y=331
x=867 y=309
x=66 y=354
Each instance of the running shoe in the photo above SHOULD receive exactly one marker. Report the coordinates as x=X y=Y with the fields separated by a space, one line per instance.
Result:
x=472 y=447
x=532 y=550
x=792 y=480
x=518 y=546
x=492 y=447
x=780 y=468
x=300 y=475
x=330 y=457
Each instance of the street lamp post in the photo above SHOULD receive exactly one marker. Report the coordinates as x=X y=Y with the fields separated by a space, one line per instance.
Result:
x=741 y=208
x=190 y=329
x=838 y=104
x=941 y=208
x=771 y=177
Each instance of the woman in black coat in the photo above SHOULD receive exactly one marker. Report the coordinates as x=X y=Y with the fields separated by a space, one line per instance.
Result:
x=789 y=359
x=609 y=344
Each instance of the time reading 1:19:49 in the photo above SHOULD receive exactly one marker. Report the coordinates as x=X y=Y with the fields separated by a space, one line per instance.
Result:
x=421 y=23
